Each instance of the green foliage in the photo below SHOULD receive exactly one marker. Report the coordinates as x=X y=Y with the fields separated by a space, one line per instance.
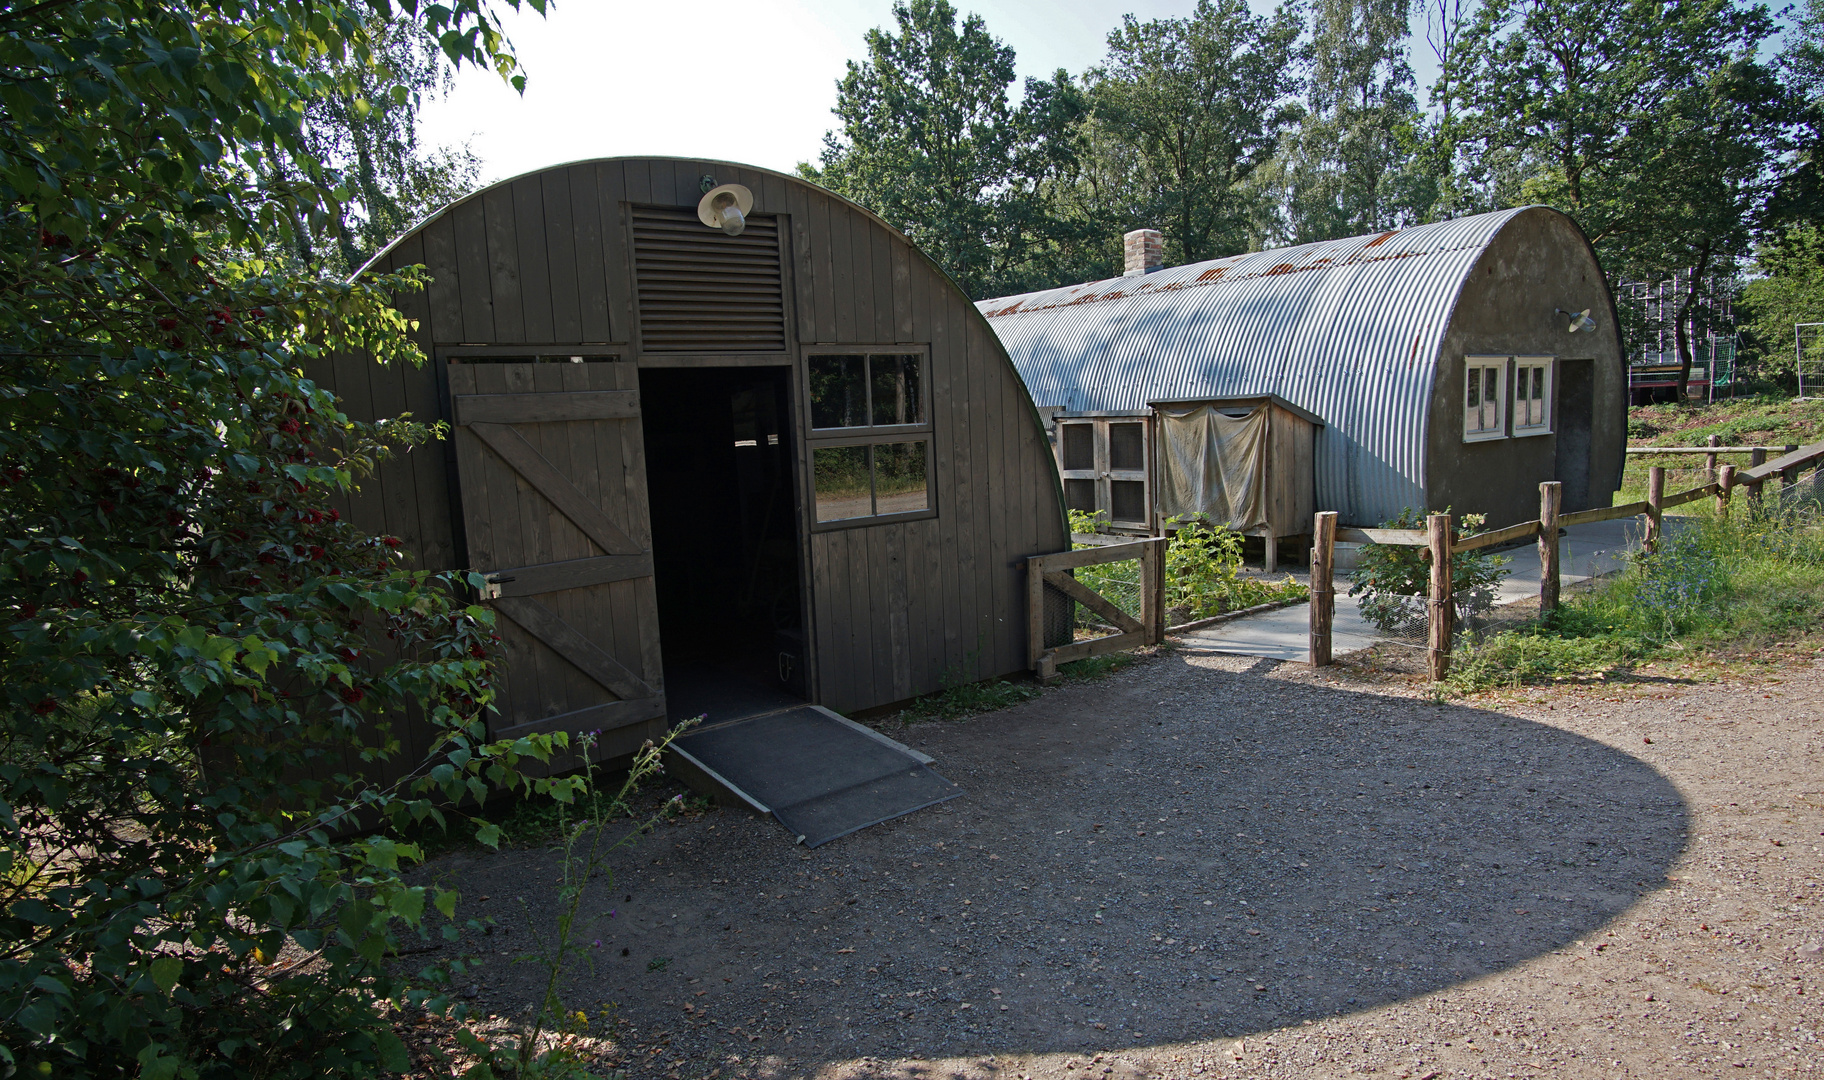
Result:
x=1184 y=112
x=1655 y=126
x=367 y=131
x=968 y=699
x=1714 y=581
x=1789 y=290
x=931 y=142
x=203 y=662
x=1202 y=571
x=584 y=847
x=1350 y=168
x=1394 y=580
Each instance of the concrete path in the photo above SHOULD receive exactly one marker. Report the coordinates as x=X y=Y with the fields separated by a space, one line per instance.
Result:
x=1585 y=551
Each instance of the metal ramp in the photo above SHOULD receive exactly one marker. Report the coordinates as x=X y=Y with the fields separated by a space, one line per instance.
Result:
x=820 y=775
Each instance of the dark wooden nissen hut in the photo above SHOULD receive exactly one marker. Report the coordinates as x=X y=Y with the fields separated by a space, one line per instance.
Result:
x=717 y=434
x=1454 y=364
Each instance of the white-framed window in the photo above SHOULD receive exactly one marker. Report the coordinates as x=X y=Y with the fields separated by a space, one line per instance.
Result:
x=1484 y=395
x=1532 y=395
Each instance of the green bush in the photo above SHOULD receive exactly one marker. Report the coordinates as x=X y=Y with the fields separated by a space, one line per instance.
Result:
x=1203 y=571
x=204 y=664
x=1394 y=580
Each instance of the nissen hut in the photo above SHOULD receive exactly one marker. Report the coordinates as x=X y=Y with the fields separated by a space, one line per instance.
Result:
x=721 y=442
x=1458 y=364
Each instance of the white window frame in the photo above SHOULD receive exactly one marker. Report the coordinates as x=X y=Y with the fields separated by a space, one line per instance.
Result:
x=1549 y=365
x=1473 y=367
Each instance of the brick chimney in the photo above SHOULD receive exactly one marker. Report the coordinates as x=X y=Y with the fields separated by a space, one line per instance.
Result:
x=1145 y=251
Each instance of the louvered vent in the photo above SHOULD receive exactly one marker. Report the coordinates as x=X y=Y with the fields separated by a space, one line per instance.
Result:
x=702 y=290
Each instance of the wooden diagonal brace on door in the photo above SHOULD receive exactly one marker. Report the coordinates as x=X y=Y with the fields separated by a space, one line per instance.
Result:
x=568 y=642
x=1092 y=600
x=553 y=485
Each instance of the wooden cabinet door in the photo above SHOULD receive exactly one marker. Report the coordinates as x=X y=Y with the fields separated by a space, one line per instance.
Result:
x=552 y=475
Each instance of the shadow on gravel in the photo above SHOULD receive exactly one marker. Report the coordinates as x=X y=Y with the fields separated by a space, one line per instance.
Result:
x=1174 y=854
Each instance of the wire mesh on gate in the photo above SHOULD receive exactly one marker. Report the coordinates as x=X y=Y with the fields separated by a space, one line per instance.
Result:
x=1067 y=621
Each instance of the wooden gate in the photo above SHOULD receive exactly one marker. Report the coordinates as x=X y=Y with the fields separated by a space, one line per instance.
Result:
x=553 y=480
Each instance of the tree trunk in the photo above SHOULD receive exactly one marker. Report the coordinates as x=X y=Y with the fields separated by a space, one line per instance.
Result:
x=1681 y=329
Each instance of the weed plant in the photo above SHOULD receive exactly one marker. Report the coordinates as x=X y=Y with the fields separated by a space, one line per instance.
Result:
x=1202 y=570
x=1747 y=580
x=1393 y=580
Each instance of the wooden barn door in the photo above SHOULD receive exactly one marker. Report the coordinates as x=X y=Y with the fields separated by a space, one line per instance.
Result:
x=553 y=481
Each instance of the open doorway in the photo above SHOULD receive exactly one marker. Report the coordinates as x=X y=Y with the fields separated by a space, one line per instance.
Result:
x=1576 y=415
x=725 y=541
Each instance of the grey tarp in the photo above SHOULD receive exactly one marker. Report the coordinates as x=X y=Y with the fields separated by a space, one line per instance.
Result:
x=1213 y=464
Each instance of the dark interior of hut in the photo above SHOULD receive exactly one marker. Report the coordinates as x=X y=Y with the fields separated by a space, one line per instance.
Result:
x=725 y=538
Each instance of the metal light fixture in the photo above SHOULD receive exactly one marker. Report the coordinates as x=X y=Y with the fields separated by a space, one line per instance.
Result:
x=1580 y=320
x=726 y=207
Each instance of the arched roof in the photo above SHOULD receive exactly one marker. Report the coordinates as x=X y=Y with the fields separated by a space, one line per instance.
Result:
x=1348 y=329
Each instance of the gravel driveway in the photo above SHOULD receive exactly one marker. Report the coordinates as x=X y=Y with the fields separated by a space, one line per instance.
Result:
x=1218 y=865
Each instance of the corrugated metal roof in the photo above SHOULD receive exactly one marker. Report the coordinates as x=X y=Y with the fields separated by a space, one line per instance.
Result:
x=1348 y=329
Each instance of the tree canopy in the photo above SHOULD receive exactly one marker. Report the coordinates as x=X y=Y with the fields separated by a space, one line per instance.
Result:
x=932 y=142
x=202 y=657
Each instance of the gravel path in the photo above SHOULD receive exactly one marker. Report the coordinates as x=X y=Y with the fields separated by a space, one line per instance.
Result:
x=1215 y=865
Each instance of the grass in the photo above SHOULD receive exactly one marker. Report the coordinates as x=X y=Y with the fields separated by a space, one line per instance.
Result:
x=971 y=699
x=1763 y=420
x=1744 y=582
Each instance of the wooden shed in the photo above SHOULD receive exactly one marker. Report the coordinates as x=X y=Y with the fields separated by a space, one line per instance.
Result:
x=710 y=459
x=1243 y=462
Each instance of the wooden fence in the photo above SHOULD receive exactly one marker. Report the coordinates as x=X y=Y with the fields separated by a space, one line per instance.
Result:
x=1054 y=571
x=1438 y=539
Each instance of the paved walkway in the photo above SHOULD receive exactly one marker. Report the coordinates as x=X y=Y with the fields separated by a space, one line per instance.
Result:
x=1585 y=551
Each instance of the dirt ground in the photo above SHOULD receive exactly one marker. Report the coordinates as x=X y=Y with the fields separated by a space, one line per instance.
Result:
x=1220 y=866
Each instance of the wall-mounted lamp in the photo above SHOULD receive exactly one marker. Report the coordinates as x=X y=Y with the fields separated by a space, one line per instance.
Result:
x=726 y=207
x=1580 y=320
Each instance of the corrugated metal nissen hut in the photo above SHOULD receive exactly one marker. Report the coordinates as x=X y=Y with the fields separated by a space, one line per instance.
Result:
x=717 y=434
x=1457 y=364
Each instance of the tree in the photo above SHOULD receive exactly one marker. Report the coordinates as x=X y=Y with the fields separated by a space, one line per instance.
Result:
x=1653 y=125
x=1186 y=110
x=1351 y=167
x=931 y=142
x=200 y=658
x=1788 y=291
x=368 y=133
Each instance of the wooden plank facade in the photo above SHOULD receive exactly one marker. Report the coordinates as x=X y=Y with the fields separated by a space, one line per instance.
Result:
x=574 y=315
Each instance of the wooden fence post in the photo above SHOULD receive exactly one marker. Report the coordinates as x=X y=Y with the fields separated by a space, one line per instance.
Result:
x=1790 y=475
x=1035 y=613
x=1442 y=608
x=1551 y=495
x=1756 y=458
x=1152 y=590
x=1710 y=459
x=1323 y=586
x=1725 y=480
x=1656 y=494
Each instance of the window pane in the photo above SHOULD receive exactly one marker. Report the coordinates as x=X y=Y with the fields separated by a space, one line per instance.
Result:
x=1080 y=495
x=897 y=391
x=1079 y=446
x=1127 y=500
x=839 y=391
x=1473 y=402
x=842 y=482
x=900 y=484
x=1126 y=447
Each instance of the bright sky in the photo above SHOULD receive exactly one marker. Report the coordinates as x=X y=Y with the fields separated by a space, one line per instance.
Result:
x=751 y=82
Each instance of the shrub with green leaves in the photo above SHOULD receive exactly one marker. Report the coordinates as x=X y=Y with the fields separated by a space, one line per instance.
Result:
x=1203 y=571
x=203 y=663
x=1394 y=580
